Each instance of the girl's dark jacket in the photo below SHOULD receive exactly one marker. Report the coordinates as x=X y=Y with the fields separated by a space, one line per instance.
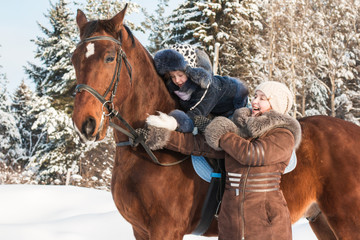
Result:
x=217 y=95
x=256 y=152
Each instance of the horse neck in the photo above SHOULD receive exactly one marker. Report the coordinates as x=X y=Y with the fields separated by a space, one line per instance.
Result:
x=148 y=92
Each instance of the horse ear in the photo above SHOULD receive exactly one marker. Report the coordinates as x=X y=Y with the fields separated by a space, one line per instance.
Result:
x=119 y=18
x=81 y=19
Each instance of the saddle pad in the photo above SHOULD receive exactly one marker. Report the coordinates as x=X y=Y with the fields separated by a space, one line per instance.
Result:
x=202 y=167
x=292 y=163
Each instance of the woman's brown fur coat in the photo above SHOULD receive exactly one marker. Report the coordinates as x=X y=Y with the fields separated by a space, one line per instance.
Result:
x=256 y=152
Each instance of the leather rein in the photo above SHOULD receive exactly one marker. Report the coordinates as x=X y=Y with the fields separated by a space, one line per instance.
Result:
x=109 y=105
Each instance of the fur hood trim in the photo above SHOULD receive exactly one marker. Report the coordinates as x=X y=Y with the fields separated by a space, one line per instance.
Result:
x=168 y=60
x=252 y=127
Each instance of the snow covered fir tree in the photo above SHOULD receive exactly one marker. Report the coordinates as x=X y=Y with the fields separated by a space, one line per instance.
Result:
x=158 y=26
x=11 y=143
x=311 y=46
x=55 y=76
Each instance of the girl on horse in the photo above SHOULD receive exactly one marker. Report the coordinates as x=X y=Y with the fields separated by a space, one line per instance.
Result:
x=188 y=75
x=257 y=146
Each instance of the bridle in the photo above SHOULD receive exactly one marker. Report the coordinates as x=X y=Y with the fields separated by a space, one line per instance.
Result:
x=108 y=105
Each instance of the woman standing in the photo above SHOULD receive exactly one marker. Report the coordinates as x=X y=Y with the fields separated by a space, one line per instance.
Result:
x=257 y=146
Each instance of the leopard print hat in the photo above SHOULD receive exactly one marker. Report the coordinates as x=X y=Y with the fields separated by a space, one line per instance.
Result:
x=188 y=52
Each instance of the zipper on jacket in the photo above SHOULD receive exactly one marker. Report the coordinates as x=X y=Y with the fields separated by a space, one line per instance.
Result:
x=242 y=206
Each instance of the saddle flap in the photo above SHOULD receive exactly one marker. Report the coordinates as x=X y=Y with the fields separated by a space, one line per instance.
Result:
x=202 y=167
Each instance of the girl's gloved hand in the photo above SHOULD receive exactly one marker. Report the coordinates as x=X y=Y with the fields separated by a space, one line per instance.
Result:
x=201 y=122
x=184 y=122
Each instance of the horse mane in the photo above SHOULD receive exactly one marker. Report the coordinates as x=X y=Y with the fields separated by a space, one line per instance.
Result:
x=130 y=35
x=106 y=25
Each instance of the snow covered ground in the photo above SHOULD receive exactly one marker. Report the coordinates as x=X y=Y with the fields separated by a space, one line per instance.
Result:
x=33 y=212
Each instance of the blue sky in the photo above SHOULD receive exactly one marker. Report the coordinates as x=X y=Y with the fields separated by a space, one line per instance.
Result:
x=18 y=25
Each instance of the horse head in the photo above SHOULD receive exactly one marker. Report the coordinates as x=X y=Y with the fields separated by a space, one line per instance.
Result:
x=114 y=73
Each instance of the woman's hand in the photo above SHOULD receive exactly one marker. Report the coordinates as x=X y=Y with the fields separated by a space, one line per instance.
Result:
x=216 y=129
x=155 y=138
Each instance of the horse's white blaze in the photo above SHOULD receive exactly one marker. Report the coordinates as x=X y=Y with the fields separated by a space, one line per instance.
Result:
x=90 y=50
x=163 y=121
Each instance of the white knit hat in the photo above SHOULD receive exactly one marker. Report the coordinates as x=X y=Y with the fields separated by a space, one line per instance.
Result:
x=188 y=52
x=278 y=94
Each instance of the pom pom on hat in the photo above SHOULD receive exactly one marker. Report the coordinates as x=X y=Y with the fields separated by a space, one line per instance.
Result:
x=278 y=94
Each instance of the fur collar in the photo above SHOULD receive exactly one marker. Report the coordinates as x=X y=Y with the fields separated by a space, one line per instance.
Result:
x=252 y=127
x=199 y=76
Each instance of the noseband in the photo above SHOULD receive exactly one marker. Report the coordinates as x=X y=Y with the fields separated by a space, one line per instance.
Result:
x=109 y=104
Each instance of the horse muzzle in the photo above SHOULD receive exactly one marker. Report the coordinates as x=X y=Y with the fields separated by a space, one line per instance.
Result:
x=88 y=130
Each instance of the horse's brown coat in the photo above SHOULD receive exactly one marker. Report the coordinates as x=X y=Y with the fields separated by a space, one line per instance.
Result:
x=165 y=202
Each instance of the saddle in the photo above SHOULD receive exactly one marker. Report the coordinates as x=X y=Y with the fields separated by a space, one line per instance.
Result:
x=213 y=172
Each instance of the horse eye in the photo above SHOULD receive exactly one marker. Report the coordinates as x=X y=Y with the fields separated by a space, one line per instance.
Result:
x=109 y=59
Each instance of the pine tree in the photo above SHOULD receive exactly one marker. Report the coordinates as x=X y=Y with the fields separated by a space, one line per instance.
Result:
x=283 y=48
x=60 y=150
x=238 y=29
x=233 y=24
x=56 y=150
x=3 y=82
x=312 y=46
x=212 y=15
x=55 y=76
x=183 y=21
x=106 y=9
x=10 y=139
x=53 y=149
x=337 y=48
x=158 y=25
x=25 y=105
x=50 y=146
x=300 y=46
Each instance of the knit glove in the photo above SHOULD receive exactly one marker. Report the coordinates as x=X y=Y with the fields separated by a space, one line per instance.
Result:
x=155 y=138
x=201 y=122
x=142 y=135
x=216 y=129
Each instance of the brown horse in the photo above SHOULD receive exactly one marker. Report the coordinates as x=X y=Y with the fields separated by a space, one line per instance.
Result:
x=116 y=76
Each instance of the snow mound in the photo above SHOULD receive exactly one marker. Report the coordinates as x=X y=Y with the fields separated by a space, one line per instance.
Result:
x=34 y=212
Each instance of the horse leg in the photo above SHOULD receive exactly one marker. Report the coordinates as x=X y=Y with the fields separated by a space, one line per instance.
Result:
x=319 y=224
x=166 y=234
x=139 y=234
x=342 y=211
x=166 y=229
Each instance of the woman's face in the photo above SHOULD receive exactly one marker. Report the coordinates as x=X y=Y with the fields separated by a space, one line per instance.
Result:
x=260 y=103
x=178 y=77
